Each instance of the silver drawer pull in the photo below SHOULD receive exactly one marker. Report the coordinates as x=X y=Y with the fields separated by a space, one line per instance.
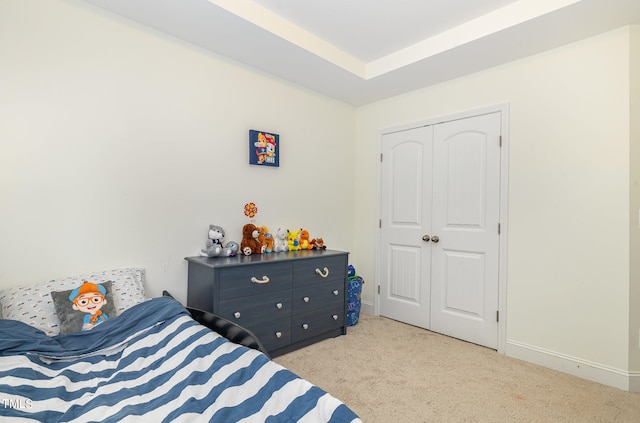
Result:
x=335 y=317
x=336 y=292
x=278 y=334
x=305 y=326
x=237 y=314
x=265 y=279
x=279 y=306
x=325 y=274
x=306 y=299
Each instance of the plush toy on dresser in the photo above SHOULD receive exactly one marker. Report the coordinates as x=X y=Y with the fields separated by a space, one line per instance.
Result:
x=280 y=240
x=292 y=240
x=305 y=242
x=250 y=243
x=231 y=249
x=213 y=246
x=318 y=244
x=265 y=238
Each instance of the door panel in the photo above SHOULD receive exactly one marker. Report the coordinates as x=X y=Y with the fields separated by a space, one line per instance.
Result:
x=407 y=172
x=405 y=277
x=466 y=191
x=405 y=218
x=463 y=156
x=463 y=284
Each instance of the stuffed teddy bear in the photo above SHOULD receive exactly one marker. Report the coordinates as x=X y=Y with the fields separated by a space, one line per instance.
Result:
x=213 y=247
x=250 y=243
x=280 y=240
x=292 y=240
x=305 y=243
x=265 y=238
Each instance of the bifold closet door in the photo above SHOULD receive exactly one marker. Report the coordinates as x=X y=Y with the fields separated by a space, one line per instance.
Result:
x=440 y=188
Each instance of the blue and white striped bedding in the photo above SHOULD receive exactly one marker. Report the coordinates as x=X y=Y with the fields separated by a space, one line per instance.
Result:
x=152 y=363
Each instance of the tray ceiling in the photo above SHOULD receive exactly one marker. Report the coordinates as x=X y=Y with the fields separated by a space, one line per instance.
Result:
x=361 y=51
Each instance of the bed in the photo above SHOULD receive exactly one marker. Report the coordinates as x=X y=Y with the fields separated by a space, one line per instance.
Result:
x=152 y=362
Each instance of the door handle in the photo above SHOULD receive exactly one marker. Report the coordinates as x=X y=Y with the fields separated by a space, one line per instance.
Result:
x=426 y=238
x=435 y=239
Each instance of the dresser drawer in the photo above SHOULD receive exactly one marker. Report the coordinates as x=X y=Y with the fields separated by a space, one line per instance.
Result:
x=316 y=322
x=274 y=334
x=245 y=281
x=252 y=310
x=321 y=269
x=318 y=296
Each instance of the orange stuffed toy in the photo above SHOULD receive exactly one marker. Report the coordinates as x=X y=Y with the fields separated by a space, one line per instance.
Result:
x=265 y=238
x=305 y=243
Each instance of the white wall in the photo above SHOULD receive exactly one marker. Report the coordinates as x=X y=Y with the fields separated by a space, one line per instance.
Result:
x=634 y=211
x=568 y=235
x=118 y=146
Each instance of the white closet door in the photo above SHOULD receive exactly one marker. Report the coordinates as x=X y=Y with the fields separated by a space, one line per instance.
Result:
x=405 y=219
x=465 y=217
x=439 y=240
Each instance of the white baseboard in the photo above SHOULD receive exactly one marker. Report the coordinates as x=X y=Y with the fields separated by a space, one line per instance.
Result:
x=634 y=382
x=574 y=366
x=367 y=308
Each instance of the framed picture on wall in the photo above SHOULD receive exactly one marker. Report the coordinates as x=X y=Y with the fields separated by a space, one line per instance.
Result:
x=264 y=148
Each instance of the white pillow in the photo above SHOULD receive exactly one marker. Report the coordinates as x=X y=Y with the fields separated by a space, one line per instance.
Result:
x=33 y=304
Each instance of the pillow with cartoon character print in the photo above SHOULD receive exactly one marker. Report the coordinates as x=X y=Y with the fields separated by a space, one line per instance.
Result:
x=84 y=307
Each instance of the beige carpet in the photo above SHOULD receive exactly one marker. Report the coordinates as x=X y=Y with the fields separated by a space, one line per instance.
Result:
x=390 y=372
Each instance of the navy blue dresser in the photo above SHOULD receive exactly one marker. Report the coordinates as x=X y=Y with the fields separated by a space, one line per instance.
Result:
x=287 y=299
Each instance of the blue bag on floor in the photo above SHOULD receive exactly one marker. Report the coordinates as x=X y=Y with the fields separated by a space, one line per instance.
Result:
x=354 y=292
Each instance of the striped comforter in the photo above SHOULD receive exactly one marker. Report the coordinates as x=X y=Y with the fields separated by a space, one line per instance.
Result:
x=152 y=363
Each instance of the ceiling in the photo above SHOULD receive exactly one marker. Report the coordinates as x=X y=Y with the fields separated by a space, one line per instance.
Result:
x=362 y=51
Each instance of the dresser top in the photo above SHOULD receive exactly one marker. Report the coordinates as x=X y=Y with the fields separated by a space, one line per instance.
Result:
x=263 y=258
